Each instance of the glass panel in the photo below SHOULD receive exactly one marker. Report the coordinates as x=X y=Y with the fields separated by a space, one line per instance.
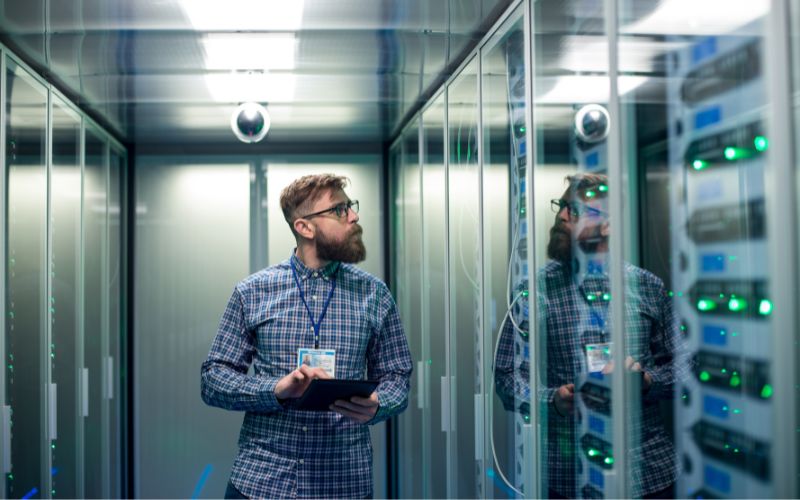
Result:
x=698 y=141
x=409 y=271
x=571 y=251
x=65 y=257
x=505 y=240
x=26 y=209
x=465 y=448
x=434 y=322
x=95 y=311
x=189 y=217
x=115 y=327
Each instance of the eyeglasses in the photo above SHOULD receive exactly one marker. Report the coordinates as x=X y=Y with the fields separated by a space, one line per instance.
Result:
x=575 y=208
x=340 y=210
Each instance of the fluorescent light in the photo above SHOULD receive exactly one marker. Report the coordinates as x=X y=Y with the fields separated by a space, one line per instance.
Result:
x=238 y=15
x=581 y=89
x=243 y=51
x=251 y=86
x=705 y=17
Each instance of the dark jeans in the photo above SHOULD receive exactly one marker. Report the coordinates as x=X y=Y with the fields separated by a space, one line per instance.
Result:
x=232 y=492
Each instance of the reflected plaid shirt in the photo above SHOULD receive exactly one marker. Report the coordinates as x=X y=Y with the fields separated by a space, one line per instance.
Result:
x=284 y=452
x=569 y=322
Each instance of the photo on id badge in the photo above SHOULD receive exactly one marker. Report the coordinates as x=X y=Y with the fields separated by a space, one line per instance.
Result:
x=322 y=358
x=597 y=356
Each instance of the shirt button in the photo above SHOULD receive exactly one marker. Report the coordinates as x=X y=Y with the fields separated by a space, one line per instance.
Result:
x=305 y=429
x=316 y=274
x=313 y=297
x=302 y=461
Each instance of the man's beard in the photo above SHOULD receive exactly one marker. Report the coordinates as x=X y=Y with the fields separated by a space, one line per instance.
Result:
x=560 y=245
x=349 y=251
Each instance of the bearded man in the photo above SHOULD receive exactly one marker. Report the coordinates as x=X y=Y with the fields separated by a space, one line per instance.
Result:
x=315 y=315
x=573 y=296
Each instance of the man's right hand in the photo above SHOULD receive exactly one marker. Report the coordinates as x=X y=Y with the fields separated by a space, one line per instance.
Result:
x=295 y=384
x=564 y=399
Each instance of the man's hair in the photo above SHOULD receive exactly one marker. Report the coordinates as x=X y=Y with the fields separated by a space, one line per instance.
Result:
x=298 y=197
x=582 y=183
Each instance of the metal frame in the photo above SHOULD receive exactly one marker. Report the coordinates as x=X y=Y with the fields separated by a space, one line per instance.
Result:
x=535 y=489
x=50 y=412
x=5 y=441
x=782 y=233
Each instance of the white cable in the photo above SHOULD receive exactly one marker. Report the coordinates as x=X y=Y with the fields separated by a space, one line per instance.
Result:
x=491 y=399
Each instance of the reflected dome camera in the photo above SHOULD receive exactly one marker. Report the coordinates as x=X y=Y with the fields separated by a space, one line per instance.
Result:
x=250 y=122
x=592 y=123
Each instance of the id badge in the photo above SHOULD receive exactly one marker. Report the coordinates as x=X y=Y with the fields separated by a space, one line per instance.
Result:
x=597 y=356
x=318 y=358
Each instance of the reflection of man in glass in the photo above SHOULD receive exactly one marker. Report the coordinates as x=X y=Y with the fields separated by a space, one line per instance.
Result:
x=573 y=305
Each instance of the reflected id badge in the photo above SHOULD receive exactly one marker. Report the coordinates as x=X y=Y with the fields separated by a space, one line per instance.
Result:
x=322 y=358
x=597 y=356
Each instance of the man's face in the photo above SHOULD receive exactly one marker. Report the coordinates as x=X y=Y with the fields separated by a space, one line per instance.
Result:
x=337 y=238
x=588 y=230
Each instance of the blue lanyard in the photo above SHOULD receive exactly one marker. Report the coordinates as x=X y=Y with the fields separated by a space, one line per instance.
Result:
x=315 y=325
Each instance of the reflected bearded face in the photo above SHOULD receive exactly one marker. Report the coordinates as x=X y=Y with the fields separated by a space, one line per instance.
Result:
x=349 y=249
x=562 y=240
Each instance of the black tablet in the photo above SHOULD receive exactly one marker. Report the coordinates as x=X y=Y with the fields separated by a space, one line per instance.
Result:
x=321 y=393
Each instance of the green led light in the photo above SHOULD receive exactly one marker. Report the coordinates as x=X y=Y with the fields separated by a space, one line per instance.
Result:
x=609 y=460
x=11 y=477
x=735 y=381
x=606 y=296
x=766 y=391
x=525 y=293
x=732 y=258
x=765 y=307
x=522 y=129
x=591 y=297
x=761 y=143
x=706 y=305
x=724 y=370
x=603 y=188
x=430 y=361
x=737 y=305
x=732 y=153
x=736 y=411
x=53 y=446
x=699 y=164
x=527 y=418
x=705 y=376
x=592 y=452
x=671 y=293
x=590 y=194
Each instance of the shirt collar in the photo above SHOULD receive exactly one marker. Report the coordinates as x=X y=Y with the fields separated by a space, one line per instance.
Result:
x=304 y=272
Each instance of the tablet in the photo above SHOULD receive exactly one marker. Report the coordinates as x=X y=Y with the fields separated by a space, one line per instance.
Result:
x=321 y=393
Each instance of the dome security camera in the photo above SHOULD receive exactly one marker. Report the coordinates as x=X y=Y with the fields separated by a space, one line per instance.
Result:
x=250 y=122
x=592 y=123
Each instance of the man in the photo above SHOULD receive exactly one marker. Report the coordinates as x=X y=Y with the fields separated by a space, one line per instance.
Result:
x=574 y=314
x=316 y=302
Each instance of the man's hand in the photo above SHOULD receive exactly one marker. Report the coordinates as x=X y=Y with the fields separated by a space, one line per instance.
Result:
x=362 y=410
x=564 y=399
x=296 y=383
x=632 y=366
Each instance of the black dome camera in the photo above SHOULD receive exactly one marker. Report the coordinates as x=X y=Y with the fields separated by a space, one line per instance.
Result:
x=250 y=122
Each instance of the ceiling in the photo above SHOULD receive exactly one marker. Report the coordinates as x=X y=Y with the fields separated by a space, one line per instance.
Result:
x=173 y=71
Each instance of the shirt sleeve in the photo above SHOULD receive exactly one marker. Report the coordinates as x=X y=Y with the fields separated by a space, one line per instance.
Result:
x=224 y=379
x=389 y=362
x=671 y=362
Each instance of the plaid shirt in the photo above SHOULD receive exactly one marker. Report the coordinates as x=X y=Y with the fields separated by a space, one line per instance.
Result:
x=288 y=453
x=570 y=321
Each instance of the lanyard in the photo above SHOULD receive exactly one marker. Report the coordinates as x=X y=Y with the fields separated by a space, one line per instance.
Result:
x=315 y=325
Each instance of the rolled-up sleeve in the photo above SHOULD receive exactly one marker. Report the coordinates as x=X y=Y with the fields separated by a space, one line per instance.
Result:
x=224 y=379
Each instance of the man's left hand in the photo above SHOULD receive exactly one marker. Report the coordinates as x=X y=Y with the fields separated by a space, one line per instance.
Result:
x=360 y=409
x=632 y=366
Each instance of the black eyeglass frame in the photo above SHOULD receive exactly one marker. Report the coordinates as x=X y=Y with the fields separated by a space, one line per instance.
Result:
x=574 y=208
x=340 y=209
